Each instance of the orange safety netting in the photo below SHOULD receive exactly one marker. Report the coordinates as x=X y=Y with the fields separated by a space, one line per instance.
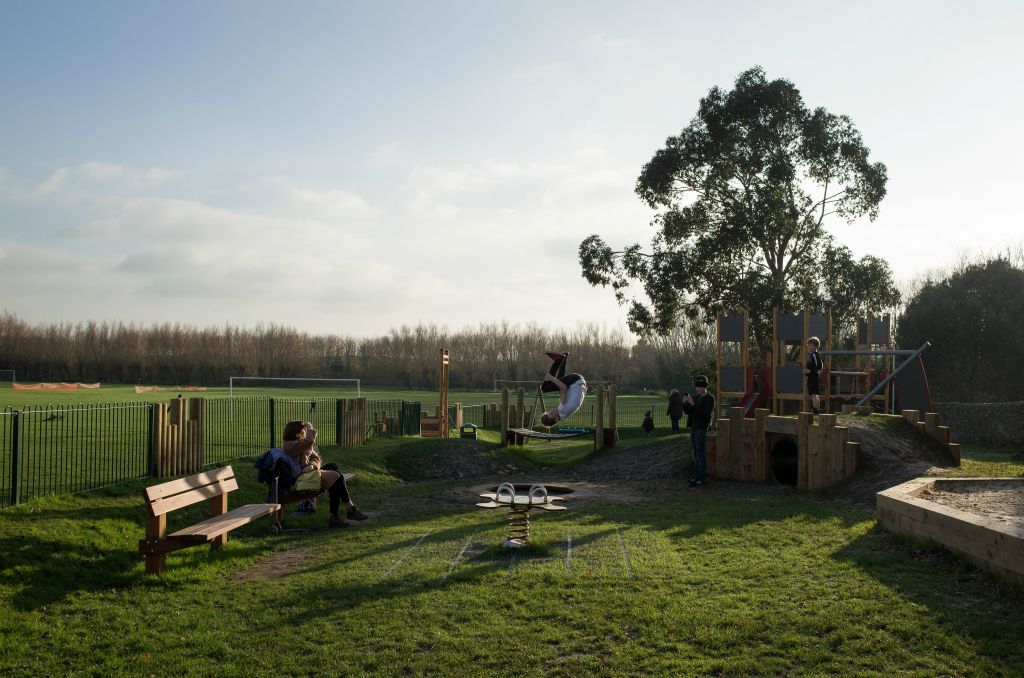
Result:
x=61 y=386
x=162 y=389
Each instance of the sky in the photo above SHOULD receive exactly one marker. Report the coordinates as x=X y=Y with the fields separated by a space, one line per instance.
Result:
x=351 y=167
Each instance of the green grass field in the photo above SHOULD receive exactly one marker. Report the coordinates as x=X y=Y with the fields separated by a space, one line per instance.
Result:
x=655 y=578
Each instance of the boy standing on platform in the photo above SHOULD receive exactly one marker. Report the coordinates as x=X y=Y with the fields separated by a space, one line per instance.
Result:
x=812 y=370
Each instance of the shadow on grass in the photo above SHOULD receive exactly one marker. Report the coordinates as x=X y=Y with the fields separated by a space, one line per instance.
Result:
x=971 y=602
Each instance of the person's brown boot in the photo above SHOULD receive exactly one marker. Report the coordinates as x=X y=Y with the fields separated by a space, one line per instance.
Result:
x=354 y=513
x=337 y=521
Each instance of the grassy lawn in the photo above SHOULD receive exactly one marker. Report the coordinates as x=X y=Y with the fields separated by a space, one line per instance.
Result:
x=733 y=579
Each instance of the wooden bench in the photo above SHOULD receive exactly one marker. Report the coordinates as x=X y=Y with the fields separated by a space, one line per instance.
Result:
x=166 y=497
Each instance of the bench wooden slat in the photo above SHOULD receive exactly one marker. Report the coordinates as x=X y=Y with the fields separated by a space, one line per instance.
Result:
x=184 y=484
x=218 y=525
x=162 y=506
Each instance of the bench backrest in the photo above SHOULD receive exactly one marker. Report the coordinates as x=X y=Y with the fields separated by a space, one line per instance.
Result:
x=166 y=497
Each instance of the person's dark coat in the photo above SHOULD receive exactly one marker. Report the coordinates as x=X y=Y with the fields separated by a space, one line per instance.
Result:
x=675 y=406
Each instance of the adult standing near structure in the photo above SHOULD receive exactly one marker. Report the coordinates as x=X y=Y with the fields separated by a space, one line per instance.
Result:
x=699 y=409
x=675 y=409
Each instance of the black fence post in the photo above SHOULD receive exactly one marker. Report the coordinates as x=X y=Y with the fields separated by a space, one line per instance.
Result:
x=273 y=434
x=16 y=458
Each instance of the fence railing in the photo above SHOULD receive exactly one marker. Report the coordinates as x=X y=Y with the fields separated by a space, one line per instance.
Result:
x=70 y=449
x=76 y=448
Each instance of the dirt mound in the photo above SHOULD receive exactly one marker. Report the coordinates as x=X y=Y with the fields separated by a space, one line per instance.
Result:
x=660 y=460
x=890 y=453
x=447 y=459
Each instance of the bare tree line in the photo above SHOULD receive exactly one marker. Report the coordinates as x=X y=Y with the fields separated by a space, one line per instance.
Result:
x=406 y=357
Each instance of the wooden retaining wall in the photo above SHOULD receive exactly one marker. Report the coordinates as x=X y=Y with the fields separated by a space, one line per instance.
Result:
x=990 y=543
x=743 y=448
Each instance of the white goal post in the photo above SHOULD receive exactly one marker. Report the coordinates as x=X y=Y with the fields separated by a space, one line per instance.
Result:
x=3 y=373
x=232 y=380
x=505 y=382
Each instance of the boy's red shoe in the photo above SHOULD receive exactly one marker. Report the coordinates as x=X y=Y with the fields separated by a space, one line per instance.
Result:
x=556 y=356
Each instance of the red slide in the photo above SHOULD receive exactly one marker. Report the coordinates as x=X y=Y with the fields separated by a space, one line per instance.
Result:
x=758 y=389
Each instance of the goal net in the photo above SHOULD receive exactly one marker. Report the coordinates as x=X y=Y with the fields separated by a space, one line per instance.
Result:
x=294 y=387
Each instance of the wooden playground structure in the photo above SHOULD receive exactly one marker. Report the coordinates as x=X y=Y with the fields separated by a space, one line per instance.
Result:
x=777 y=381
x=764 y=433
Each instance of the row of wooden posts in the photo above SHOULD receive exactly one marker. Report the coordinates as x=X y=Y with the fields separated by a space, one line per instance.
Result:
x=178 y=446
x=825 y=455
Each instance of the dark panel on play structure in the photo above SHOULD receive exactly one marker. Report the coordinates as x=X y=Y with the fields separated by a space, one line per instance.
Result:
x=817 y=325
x=790 y=378
x=734 y=379
x=730 y=328
x=880 y=331
x=790 y=327
x=912 y=388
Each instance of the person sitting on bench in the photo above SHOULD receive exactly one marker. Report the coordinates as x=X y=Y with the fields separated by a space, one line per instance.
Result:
x=572 y=389
x=300 y=445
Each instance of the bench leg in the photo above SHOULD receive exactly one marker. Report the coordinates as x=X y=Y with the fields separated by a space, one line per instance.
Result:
x=219 y=506
x=156 y=528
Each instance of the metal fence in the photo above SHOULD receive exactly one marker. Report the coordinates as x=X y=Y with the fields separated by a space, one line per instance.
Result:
x=54 y=450
x=57 y=450
x=69 y=449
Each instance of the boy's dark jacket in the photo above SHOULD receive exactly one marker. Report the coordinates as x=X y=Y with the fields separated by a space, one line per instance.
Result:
x=698 y=415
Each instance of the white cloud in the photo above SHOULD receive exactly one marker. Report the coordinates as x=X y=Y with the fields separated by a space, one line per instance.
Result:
x=386 y=156
x=334 y=204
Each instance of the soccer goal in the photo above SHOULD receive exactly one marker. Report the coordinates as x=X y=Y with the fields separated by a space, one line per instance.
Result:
x=248 y=383
x=514 y=383
x=8 y=375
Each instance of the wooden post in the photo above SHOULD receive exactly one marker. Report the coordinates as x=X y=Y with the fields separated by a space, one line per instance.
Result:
x=159 y=438
x=442 y=406
x=723 y=456
x=838 y=435
x=520 y=418
x=850 y=451
x=156 y=528
x=219 y=506
x=613 y=392
x=736 y=443
x=599 y=420
x=503 y=418
x=954 y=450
x=748 y=448
x=761 y=462
x=803 y=442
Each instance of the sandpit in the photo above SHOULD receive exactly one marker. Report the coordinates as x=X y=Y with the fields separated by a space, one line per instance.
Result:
x=979 y=518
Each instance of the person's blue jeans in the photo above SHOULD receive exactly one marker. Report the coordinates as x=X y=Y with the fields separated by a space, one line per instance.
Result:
x=698 y=441
x=675 y=424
